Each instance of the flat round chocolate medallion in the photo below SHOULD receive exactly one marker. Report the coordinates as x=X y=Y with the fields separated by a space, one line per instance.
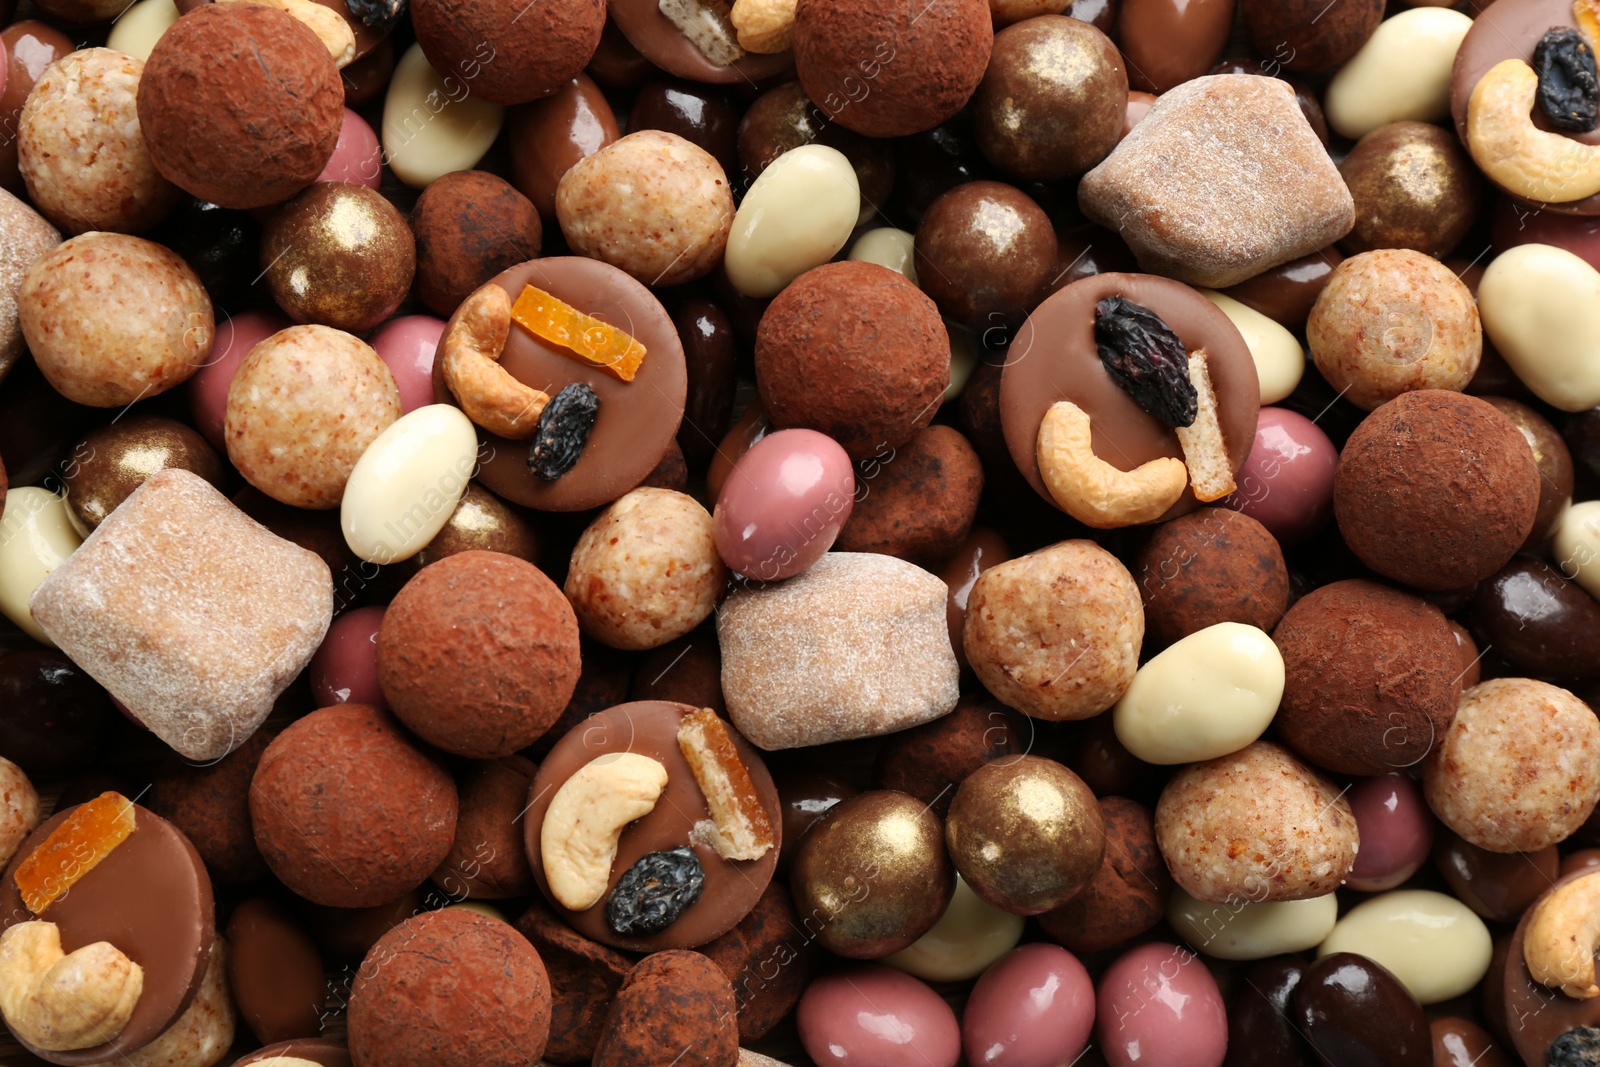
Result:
x=673 y=832
x=637 y=420
x=1510 y=29
x=316 y=1050
x=1054 y=358
x=150 y=898
x=662 y=43
x=1537 y=1014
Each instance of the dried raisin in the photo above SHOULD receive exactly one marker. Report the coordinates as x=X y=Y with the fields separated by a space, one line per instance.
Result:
x=652 y=893
x=1146 y=358
x=1569 y=94
x=381 y=15
x=563 y=430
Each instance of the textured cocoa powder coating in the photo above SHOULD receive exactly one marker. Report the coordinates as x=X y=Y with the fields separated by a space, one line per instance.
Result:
x=1054 y=358
x=348 y=811
x=274 y=972
x=211 y=805
x=932 y=760
x=149 y=897
x=1209 y=566
x=650 y=728
x=478 y=654
x=769 y=958
x=1403 y=477
x=1371 y=677
x=1127 y=896
x=470 y=226
x=675 y=1007
x=584 y=977
x=922 y=501
x=273 y=98
x=510 y=51
x=1307 y=34
x=487 y=860
x=855 y=351
x=450 y=988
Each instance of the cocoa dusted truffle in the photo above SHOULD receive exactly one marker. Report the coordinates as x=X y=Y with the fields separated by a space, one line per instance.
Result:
x=478 y=654
x=769 y=959
x=1436 y=489
x=1209 y=566
x=920 y=502
x=450 y=988
x=211 y=805
x=1371 y=677
x=470 y=226
x=855 y=351
x=887 y=68
x=348 y=811
x=487 y=861
x=240 y=105
x=584 y=977
x=509 y=51
x=1128 y=894
x=932 y=760
x=674 y=1007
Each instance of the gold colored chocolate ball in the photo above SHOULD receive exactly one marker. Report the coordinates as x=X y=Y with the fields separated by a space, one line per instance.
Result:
x=1414 y=187
x=482 y=521
x=1026 y=834
x=873 y=876
x=108 y=465
x=338 y=255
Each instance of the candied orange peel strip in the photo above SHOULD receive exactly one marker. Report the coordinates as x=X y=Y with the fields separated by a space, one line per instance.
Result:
x=588 y=338
x=739 y=828
x=1586 y=13
x=73 y=849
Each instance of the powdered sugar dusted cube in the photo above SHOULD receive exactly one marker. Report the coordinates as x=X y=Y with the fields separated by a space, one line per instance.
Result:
x=188 y=611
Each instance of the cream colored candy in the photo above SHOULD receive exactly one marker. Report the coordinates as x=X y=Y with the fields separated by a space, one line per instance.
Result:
x=1433 y=943
x=1402 y=72
x=19 y=811
x=887 y=247
x=406 y=485
x=1279 y=359
x=1245 y=930
x=969 y=936
x=797 y=214
x=431 y=127
x=1209 y=694
x=1541 y=308
x=141 y=26
x=1576 y=544
x=36 y=537
x=478 y=907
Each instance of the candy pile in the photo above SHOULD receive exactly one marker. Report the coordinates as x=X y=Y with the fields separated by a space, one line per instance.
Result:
x=856 y=533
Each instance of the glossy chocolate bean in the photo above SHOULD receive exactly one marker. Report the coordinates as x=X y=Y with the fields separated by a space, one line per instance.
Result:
x=1356 y=1014
x=1285 y=293
x=879 y=1016
x=367 y=78
x=220 y=245
x=931 y=164
x=709 y=354
x=345 y=668
x=1539 y=621
x=806 y=795
x=1034 y=1008
x=1396 y=831
x=1260 y=1032
x=1496 y=885
x=1085 y=250
x=1550 y=455
x=985 y=253
x=1286 y=483
x=1458 y=1042
x=30 y=47
x=702 y=114
x=784 y=504
x=114 y=460
x=274 y=973
x=52 y=715
x=1167 y=42
x=548 y=136
x=784 y=118
x=1101 y=14
x=742 y=436
x=982 y=549
x=1158 y=1004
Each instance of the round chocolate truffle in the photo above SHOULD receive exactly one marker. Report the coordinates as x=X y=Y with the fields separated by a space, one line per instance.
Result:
x=487 y=861
x=478 y=654
x=348 y=811
x=509 y=51
x=211 y=805
x=339 y=255
x=985 y=252
x=1309 y=34
x=670 y=1004
x=932 y=760
x=855 y=351
x=240 y=105
x=450 y=988
x=919 y=503
x=470 y=226
x=1128 y=894
x=887 y=68
x=1209 y=566
x=1406 y=475
x=1414 y=187
x=1371 y=677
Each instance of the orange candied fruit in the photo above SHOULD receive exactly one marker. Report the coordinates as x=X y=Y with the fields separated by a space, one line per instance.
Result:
x=585 y=336
x=73 y=849
x=1586 y=13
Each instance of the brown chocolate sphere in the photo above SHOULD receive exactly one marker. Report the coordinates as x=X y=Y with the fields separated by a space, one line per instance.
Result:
x=932 y=760
x=1209 y=566
x=469 y=226
x=339 y=255
x=1127 y=896
x=1550 y=455
x=113 y=461
x=1026 y=834
x=1310 y=35
x=481 y=521
x=509 y=51
x=784 y=117
x=1053 y=102
x=920 y=503
x=985 y=252
x=874 y=875
x=1414 y=187
x=701 y=114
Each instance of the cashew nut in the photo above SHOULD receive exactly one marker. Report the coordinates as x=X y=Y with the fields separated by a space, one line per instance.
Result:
x=765 y=26
x=329 y=26
x=1092 y=490
x=1532 y=163
x=59 y=1002
x=469 y=355
x=1562 y=936
x=578 y=841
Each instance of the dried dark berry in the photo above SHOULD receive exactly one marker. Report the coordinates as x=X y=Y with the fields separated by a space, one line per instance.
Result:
x=1569 y=94
x=655 y=891
x=1145 y=358
x=1578 y=1047
x=564 y=427
x=381 y=15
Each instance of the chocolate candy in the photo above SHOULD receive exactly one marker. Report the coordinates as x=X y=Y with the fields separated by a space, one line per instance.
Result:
x=1158 y=1003
x=1033 y=1007
x=1286 y=483
x=339 y=254
x=647 y=29
x=1352 y=1010
x=784 y=504
x=697 y=113
x=114 y=461
x=56 y=715
x=1497 y=885
x=1260 y=1030
x=806 y=797
x=877 y=1015
x=984 y=253
x=320 y=1051
x=548 y=136
x=1538 y=620
x=1168 y=43
x=274 y=972
x=1396 y=831
x=469 y=227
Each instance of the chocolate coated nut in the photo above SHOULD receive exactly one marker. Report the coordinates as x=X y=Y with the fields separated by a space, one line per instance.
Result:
x=274 y=973
x=1432 y=943
x=1402 y=72
x=1348 y=1006
x=672 y=1004
x=548 y=136
x=1128 y=893
x=1260 y=1030
x=1497 y=885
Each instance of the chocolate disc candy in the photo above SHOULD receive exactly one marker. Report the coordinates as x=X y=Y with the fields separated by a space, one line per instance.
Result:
x=663 y=44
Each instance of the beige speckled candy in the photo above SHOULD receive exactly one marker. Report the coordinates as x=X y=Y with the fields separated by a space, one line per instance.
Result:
x=654 y=204
x=24 y=237
x=857 y=646
x=204 y=1032
x=112 y=319
x=80 y=150
x=756 y=1059
x=189 y=612
x=1519 y=768
x=19 y=809
x=303 y=406
x=1056 y=633
x=646 y=571
x=1220 y=181
x=1255 y=826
